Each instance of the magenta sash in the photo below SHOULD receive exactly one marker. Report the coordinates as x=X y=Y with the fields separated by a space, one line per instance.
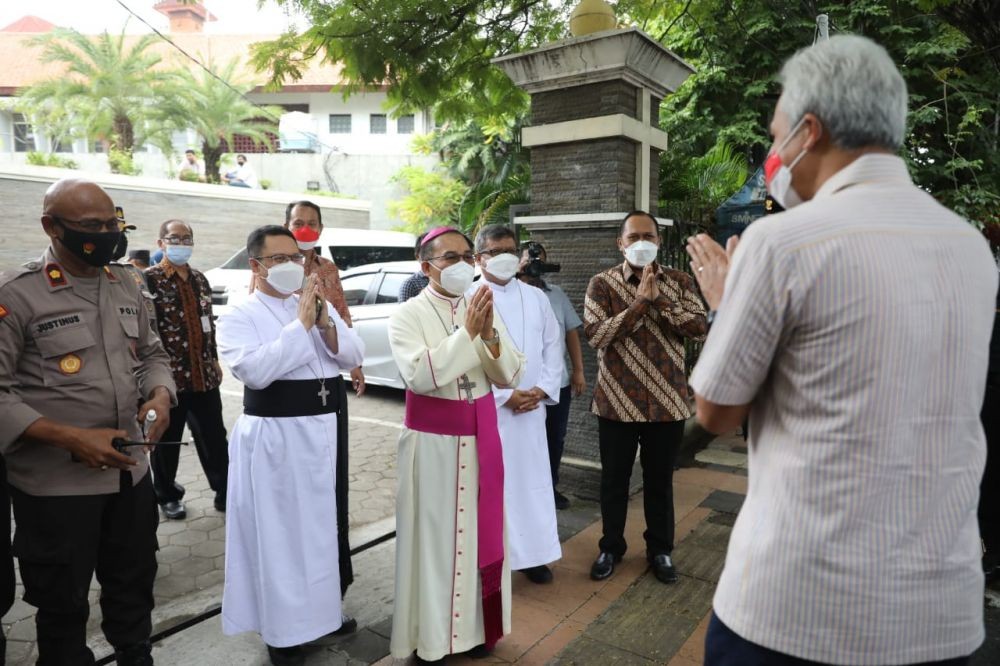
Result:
x=459 y=418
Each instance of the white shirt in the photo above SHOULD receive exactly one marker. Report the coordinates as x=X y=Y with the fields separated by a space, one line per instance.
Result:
x=858 y=325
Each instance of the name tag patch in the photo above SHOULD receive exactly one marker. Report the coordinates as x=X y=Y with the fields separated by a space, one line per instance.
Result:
x=58 y=322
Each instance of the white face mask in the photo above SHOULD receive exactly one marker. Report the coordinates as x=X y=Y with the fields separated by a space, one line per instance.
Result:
x=778 y=176
x=287 y=277
x=457 y=278
x=641 y=253
x=503 y=266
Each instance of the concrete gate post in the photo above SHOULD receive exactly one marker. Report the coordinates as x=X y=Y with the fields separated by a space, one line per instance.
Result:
x=595 y=140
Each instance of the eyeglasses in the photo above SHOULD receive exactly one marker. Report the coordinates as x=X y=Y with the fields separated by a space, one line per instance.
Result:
x=90 y=226
x=284 y=258
x=454 y=257
x=178 y=240
x=496 y=252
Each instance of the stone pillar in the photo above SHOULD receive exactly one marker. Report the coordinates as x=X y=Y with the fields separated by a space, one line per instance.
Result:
x=595 y=141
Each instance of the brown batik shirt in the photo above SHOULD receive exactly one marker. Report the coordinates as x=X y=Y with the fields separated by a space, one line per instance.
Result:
x=184 y=320
x=640 y=345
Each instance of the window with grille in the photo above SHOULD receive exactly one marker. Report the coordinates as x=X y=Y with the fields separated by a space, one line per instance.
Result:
x=24 y=135
x=340 y=123
x=377 y=123
x=404 y=124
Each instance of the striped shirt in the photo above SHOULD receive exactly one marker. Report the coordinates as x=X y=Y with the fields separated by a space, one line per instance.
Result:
x=858 y=325
x=640 y=345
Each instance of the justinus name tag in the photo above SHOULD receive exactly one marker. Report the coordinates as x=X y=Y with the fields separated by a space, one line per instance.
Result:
x=206 y=324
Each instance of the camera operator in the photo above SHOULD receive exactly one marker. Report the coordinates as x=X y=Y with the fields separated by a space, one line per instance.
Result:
x=534 y=264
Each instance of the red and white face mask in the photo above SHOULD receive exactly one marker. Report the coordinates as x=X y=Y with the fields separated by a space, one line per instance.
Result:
x=306 y=237
x=778 y=176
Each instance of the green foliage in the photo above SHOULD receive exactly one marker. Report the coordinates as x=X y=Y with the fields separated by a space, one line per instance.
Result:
x=265 y=184
x=433 y=199
x=42 y=159
x=123 y=162
x=189 y=177
x=217 y=112
x=703 y=183
x=436 y=54
x=106 y=92
x=430 y=53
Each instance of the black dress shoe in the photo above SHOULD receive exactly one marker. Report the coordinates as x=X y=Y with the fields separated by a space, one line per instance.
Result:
x=479 y=652
x=539 y=575
x=135 y=655
x=604 y=565
x=174 y=510
x=663 y=568
x=286 y=656
x=421 y=661
x=220 y=503
x=562 y=502
x=348 y=626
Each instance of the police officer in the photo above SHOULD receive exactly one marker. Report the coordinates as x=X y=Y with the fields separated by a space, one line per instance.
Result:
x=77 y=356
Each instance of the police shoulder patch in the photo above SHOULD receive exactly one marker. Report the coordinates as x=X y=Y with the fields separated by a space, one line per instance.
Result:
x=3 y=311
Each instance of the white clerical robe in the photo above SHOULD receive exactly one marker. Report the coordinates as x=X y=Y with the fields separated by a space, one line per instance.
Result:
x=529 y=501
x=438 y=605
x=282 y=574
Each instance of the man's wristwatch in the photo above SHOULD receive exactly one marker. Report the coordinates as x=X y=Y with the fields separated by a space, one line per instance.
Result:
x=496 y=336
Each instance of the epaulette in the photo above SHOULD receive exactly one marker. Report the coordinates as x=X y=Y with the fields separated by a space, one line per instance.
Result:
x=14 y=273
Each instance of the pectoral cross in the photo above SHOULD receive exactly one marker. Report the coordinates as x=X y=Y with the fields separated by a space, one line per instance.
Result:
x=323 y=392
x=467 y=386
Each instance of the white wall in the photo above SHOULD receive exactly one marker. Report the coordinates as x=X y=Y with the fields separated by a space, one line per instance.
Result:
x=360 y=106
x=366 y=177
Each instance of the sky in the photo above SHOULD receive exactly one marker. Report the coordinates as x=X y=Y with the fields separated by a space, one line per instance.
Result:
x=95 y=16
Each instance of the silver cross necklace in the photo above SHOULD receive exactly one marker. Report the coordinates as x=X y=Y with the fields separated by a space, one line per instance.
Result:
x=323 y=391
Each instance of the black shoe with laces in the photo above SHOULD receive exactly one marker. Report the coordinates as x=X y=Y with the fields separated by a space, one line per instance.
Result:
x=562 y=502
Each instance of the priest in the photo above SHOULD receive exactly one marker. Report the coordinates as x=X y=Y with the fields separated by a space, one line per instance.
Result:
x=529 y=504
x=282 y=572
x=452 y=577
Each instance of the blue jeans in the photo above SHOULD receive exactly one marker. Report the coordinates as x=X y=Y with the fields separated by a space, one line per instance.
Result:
x=556 y=417
x=723 y=647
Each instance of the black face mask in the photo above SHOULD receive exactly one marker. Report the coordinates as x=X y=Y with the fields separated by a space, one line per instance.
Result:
x=96 y=249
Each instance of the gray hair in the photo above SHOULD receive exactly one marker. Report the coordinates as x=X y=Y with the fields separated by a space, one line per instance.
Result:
x=492 y=232
x=852 y=85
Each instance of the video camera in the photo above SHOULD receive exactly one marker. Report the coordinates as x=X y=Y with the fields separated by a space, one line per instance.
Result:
x=535 y=267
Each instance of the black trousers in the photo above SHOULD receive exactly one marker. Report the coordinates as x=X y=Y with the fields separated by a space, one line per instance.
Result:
x=6 y=559
x=989 y=489
x=60 y=541
x=724 y=647
x=658 y=444
x=202 y=410
x=556 y=418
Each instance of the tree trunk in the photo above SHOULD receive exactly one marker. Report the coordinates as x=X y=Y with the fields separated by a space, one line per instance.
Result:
x=123 y=137
x=212 y=156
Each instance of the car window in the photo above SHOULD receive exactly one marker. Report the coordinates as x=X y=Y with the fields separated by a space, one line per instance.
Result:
x=388 y=292
x=356 y=287
x=238 y=261
x=358 y=255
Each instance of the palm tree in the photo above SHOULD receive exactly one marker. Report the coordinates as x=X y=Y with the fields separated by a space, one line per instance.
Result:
x=109 y=85
x=213 y=105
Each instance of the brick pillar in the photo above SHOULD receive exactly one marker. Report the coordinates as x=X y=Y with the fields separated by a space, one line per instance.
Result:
x=594 y=113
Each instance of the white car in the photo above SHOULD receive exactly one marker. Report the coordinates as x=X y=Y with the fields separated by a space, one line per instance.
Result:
x=348 y=247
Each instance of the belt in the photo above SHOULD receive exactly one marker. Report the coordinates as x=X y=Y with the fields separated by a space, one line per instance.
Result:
x=287 y=398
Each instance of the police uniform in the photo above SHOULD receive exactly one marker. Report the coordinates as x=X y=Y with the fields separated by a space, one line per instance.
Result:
x=80 y=352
